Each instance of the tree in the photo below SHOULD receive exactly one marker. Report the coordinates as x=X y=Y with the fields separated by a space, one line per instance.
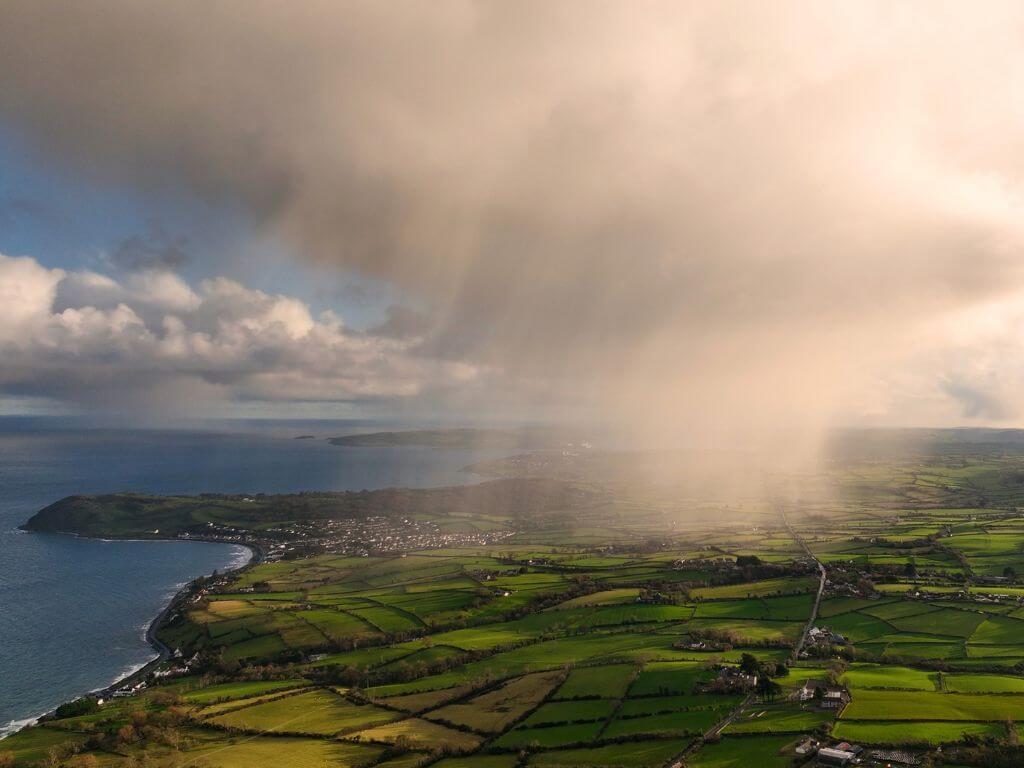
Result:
x=768 y=689
x=749 y=664
x=83 y=706
x=836 y=670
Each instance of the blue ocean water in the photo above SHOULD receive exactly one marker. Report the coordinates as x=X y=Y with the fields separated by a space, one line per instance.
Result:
x=73 y=612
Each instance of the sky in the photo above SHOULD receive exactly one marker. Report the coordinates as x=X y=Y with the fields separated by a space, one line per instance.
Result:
x=690 y=218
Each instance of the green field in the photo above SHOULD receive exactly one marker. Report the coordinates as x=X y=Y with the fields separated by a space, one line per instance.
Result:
x=983 y=684
x=241 y=690
x=317 y=712
x=784 y=718
x=738 y=751
x=667 y=678
x=868 y=732
x=598 y=682
x=894 y=705
x=494 y=711
x=300 y=753
x=601 y=627
x=639 y=755
x=878 y=676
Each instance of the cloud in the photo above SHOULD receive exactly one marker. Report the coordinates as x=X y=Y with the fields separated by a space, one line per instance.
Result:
x=682 y=214
x=402 y=322
x=154 y=250
x=27 y=290
x=89 y=338
x=975 y=403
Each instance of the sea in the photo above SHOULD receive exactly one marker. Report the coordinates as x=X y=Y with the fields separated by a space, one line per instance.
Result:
x=74 y=611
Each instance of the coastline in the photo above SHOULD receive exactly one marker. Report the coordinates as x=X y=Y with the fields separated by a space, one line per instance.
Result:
x=163 y=652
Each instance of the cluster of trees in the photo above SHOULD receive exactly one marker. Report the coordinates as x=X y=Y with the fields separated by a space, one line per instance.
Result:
x=69 y=758
x=851 y=576
x=752 y=568
x=83 y=706
x=163 y=726
x=767 y=689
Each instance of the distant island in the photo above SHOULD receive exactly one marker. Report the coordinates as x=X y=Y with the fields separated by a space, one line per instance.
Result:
x=467 y=438
x=305 y=437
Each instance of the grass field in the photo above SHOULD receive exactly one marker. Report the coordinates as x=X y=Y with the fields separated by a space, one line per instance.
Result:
x=671 y=723
x=763 y=588
x=33 y=744
x=769 y=751
x=983 y=684
x=556 y=736
x=880 y=676
x=894 y=705
x=602 y=682
x=492 y=712
x=667 y=678
x=241 y=690
x=640 y=755
x=315 y=712
x=583 y=637
x=868 y=732
x=479 y=761
x=419 y=733
x=786 y=718
x=592 y=710
x=296 y=753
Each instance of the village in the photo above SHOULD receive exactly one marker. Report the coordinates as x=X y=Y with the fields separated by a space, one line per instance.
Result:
x=353 y=537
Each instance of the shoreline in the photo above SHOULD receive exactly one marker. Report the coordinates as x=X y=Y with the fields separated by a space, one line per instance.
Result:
x=162 y=651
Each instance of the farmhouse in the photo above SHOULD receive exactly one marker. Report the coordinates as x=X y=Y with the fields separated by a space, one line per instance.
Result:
x=835 y=698
x=828 y=696
x=807 y=747
x=729 y=680
x=832 y=756
x=823 y=635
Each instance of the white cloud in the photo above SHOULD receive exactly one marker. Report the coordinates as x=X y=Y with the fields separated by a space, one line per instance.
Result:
x=27 y=291
x=88 y=337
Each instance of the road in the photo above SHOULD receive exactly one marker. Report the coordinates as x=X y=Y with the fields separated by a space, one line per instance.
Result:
x=717 y=728
x=821 y=584
x=721 y=725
